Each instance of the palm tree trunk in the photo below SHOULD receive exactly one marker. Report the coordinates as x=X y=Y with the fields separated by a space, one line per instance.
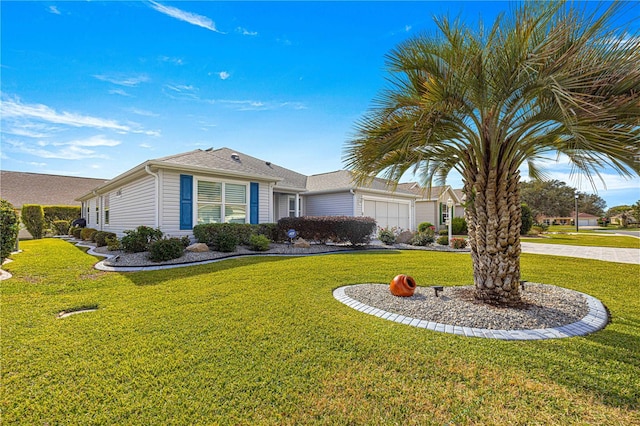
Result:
x=494 y=219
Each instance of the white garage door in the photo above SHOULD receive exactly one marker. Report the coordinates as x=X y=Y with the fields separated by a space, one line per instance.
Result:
x=388 y=214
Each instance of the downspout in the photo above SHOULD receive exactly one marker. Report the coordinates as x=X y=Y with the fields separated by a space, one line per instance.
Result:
x=355 y=203
x=157 y=184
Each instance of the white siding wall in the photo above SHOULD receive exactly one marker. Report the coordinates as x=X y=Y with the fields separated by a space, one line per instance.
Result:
x=338 y=204
x=264 y=208
x=134 y=206
x=427 y=211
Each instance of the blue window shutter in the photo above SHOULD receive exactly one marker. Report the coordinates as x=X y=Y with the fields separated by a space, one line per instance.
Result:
x=254 y=203
x=186 y=202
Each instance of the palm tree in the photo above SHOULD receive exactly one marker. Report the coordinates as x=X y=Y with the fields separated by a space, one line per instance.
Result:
x=549 y=80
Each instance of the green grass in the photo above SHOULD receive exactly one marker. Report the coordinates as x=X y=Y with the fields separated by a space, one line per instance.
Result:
x=592 y=240
x=261 y=340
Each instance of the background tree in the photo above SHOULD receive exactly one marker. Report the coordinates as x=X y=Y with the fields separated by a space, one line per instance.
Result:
x=591 y=204
x=635 y=211
x=527 y=219
x=556 y=198
x=549 y=79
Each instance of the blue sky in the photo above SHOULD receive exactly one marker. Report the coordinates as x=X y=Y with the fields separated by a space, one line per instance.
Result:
x=94 y=88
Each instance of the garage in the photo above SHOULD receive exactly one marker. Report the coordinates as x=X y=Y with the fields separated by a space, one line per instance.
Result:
x=388 y=214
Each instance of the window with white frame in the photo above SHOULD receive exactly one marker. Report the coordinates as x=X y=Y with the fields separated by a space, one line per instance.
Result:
x=220 y=202
x=106 y=209
x=292 y=206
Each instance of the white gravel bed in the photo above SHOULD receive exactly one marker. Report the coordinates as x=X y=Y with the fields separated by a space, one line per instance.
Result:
x=544 y=306
x=142 y=258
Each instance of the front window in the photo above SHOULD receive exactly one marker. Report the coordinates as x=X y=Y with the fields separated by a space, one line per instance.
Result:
x=218 y=198
x=292 y=206
x=97 y=213
x=106 y=209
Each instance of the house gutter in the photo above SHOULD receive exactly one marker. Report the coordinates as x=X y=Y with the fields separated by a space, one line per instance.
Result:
x=147 y=169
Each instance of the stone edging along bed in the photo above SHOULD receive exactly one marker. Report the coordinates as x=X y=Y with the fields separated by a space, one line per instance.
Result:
x=585 y=315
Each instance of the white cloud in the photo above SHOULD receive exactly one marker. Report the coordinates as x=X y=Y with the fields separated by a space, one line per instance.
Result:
x=17 y=110
x=246 y=32
x=253 y=105
x=407 y=28
x=120 y=80
x=224 y=75
x=175 y=61
x=119 y=92
x=191 y=18
x=54 y=10
x=142 y=112
x=68 y=151
x=145 y=145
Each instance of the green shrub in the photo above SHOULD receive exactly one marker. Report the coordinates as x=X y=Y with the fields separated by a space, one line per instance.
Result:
x=527 y=219
x=86 y=234
x=54 y=213
x=166 y=249
x=259 y=243
x=458 y=243
x=424 y=238
x=209 y=233
x=225 y=243
x=458 y=226
x=101 y=237
x=356 y=230
x=33 y=219
x=76 y=232
x=423 y=226
x=60 y=227
x=186 y=242
x=444 y=231
x=139 y=239
x=269 y=230
x=9 y=227
x=540 y=228
x=387 y=236
x=443 y=240
x=113 y=243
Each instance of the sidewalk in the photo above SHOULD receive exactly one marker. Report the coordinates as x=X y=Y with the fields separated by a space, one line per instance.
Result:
x=608 y=254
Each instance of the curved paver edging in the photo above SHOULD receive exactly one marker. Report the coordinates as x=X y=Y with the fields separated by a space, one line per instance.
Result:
x=595 y=320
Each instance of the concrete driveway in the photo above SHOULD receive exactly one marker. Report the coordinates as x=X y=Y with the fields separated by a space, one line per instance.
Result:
x=608 y=254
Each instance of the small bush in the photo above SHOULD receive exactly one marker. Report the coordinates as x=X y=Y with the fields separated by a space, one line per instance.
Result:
x=138 y=240
x=443 y=240
x=76 y=232
x=186 y=242
x=458 y=226
x=423 y=226
x=423 y=238
x=387 y=236
x=527 y=219
x=54 y=213
x=9 y=227
x=86 y=234
x=444 y=231
x=226 y=243
x=100 y=238
x=60 y=227
x=533 y=233
x=166 y=249
x=259 y=243
x=540 y=228
x=356 y=230
x=33 y=219
x=113 y=243
x=209 y=233
x=458 y=243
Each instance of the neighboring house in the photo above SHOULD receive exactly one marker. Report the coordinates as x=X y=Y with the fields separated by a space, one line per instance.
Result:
x=618 y=220
x=584 y=219
x=431 y=206
x=20 y=188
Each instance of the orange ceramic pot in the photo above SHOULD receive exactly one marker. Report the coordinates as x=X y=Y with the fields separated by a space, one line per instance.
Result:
x=403 y=286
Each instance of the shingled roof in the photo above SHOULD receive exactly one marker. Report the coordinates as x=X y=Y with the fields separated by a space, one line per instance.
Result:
x=21 y=188
x=344 y=179
x=225 y=159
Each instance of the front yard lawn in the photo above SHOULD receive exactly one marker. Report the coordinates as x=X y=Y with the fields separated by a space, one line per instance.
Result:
x=261 y=340
x=592 y=240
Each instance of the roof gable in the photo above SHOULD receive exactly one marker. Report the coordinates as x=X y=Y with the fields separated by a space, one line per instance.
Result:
x=344 y=180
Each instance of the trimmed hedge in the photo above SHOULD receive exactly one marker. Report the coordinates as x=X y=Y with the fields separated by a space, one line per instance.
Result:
x=87 y=233
x=209 y=233
x=60 y=227
x=55 y=213
x=9 y=227
x=33 y=219
x=458 y=226
x=356 y=230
